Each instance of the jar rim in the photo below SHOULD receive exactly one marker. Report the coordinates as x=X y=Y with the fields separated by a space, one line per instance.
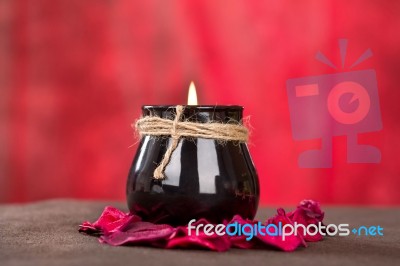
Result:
x=195 y=107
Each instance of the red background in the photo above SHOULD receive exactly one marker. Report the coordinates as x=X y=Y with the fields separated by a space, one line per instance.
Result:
x=74 y=74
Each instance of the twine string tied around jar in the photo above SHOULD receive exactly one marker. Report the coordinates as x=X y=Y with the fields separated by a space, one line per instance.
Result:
x=176 y=128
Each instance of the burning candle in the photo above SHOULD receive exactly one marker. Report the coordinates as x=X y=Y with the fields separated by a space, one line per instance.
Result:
x=192 y=162
x=192 y=95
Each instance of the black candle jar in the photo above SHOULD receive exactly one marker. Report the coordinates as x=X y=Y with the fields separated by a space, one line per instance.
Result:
x=204 y=178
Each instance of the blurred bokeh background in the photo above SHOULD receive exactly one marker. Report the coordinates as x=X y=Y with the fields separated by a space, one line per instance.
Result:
x=74 y=75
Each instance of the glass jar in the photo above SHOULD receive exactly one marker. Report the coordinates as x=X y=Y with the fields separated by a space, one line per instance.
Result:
x=204 y=178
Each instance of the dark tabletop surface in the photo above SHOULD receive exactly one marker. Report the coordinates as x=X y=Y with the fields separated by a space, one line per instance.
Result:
x=45 y=233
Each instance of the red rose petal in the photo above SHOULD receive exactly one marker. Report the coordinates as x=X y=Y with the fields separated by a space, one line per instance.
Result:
x=139 y=232
x=291 y=242
x=109 y=221
x=182 y=239
x=308 y=212
x=119 y=228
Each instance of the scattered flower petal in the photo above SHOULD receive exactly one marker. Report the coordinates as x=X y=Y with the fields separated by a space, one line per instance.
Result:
x=308 y=212
x=118 y=228
x=109 y=221
x=139 y=232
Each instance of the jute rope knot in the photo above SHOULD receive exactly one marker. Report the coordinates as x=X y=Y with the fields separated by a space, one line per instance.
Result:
x=157 y=126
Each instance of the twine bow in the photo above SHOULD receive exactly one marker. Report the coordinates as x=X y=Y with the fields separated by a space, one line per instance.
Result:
x=157 y=126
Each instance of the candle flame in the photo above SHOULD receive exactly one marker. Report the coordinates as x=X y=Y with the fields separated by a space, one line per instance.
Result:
x=192 y=95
